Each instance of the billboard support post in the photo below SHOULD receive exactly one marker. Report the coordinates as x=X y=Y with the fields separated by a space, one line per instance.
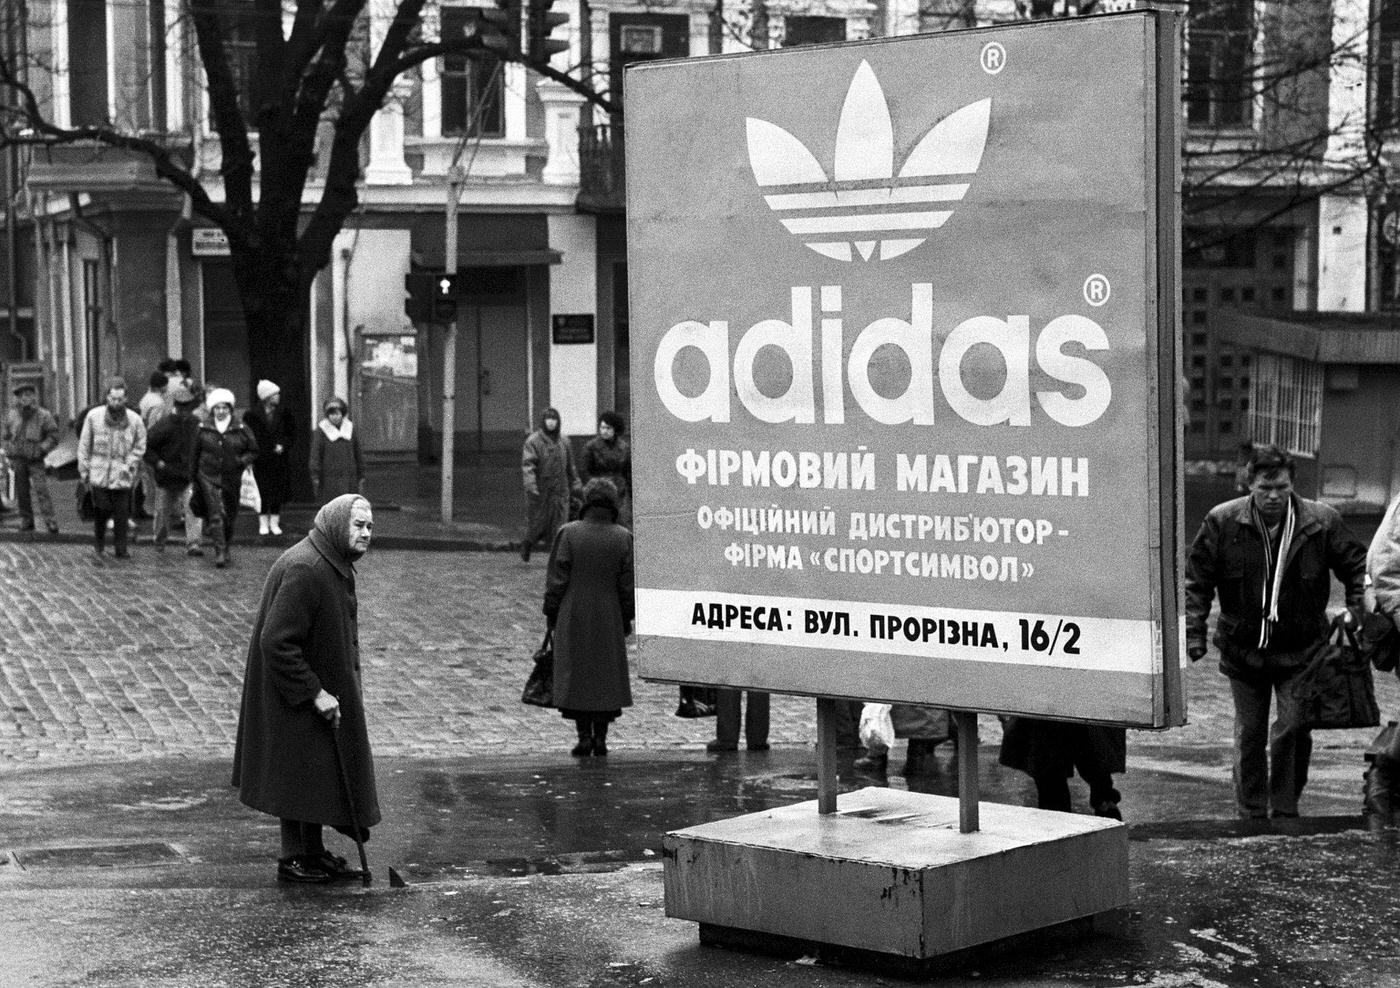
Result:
x=826 y=755
x=969 y=792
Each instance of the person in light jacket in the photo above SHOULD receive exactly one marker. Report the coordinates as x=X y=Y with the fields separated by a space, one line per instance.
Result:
x=550 y=478
x=303 y=697
x=588 y=603
x=337 y=467
x=110 y=447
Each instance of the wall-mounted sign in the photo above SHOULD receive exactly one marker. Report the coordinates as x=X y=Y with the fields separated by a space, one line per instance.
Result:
x=572 y=328
x=904 y=369
x=208 y=241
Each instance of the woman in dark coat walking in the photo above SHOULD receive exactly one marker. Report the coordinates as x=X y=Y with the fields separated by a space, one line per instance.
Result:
x=303 y=682
x=608 y=455
x=275 y=432
x=1050 y=751
x=337 y=466
x=588 y=602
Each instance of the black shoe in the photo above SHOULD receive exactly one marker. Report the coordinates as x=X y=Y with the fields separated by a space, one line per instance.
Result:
x=716 y=746
x=525 y=548
x=194 y=550
x=600 y=748
x=877 y=764
x=26 y=526
x=122 y=554
x=304 y=869
x=1108 y=810
x=758 y=746
x=583 y=749
x=337 y=867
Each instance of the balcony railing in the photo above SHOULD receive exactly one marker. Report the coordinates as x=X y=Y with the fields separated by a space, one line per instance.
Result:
x=601 y=168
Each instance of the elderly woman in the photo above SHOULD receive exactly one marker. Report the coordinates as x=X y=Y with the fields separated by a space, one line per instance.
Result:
x=588 y=602
x=302 y=698
x=225 y=448
x=336 y=464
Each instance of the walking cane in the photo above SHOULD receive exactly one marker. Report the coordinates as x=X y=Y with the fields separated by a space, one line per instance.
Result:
x=350 y=799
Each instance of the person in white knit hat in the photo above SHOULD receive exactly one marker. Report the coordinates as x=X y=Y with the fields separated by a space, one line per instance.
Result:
x=275 y=432
x=225 y=448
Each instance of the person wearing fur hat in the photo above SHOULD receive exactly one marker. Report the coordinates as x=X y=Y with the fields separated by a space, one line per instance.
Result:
x=225 y=448
x=551 y=478
x=609 y=456
x=275 y=431
x=588 y=603
x=303 y=700
x=337 y=466
x=110 y=447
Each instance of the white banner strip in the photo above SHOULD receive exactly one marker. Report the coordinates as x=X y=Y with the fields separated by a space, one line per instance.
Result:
x=1047 y=640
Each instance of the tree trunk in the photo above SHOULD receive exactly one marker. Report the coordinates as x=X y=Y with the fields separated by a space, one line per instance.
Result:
x=276 y=307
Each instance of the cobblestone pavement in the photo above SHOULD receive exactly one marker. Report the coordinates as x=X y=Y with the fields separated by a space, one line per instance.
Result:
x=145 y=659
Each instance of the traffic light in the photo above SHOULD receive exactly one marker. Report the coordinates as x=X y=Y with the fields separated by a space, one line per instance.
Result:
x=499 y=27
x=431 y=297
x=541 y=23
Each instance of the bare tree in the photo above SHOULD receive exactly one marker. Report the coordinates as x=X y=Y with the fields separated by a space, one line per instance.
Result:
x=315 y=82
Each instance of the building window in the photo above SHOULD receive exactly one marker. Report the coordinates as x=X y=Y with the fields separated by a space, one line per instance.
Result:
x=1219 y=63
x=472 y=105
x=1385 y=69
x=87 y=63
x=803 y=30
x=1285 y=403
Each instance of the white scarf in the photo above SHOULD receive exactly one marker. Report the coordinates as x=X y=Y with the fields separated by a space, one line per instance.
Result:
x=346 y=430
x=1273 y=567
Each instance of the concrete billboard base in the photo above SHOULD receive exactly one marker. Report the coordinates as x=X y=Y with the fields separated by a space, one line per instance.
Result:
x=890 y=874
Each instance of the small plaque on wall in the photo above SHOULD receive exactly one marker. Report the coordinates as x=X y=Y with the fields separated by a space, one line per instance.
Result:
x=573 y=328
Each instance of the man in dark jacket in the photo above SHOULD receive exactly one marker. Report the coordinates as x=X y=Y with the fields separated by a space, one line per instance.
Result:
x=302 y=684
x=1267 y=555
x=172 y=448
x=29 y=433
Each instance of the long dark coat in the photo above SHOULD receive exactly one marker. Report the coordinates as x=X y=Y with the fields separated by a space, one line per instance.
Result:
x=1052 y=747
x=550 y=476
x=612 y=461
x=271 y=469
x=337 y=465
x=305 y=639
x=588 y=590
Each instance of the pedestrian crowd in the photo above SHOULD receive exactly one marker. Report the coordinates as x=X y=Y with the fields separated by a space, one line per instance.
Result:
x=183 y=457
x=1265 y=560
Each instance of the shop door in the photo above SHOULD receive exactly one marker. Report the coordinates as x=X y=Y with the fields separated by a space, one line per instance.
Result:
x=225 y=333
x=388 y=408
x=492 y=395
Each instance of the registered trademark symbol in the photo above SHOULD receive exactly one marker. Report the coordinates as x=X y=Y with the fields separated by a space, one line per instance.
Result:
x=993 y=57
x=1096 y=290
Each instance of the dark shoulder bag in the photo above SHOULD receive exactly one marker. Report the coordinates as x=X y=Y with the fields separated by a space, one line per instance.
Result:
x=1334 y=691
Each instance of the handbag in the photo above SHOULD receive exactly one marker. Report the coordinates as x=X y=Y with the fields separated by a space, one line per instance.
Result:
x=199 y=505
x=248 y=494
x=696 y=701
x=1334 y=690
x=1379 y=641
x=87 y=511
x=539 y=685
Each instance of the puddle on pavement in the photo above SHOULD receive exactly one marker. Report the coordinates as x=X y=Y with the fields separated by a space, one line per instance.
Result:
x=97 y=856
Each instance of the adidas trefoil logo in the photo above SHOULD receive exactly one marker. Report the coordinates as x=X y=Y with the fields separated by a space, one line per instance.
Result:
x=863 y=205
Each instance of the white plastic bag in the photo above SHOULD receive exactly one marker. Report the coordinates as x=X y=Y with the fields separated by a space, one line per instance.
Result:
x=248 y=495
x=876 y=728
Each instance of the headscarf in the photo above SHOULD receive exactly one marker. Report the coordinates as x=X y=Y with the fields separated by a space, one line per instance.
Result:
x=333 y=524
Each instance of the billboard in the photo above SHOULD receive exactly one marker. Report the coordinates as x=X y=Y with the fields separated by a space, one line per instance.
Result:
x=904 y=371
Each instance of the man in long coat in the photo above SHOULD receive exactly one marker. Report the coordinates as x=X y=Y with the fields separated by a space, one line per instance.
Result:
x=550 y=478
x=301 y=692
